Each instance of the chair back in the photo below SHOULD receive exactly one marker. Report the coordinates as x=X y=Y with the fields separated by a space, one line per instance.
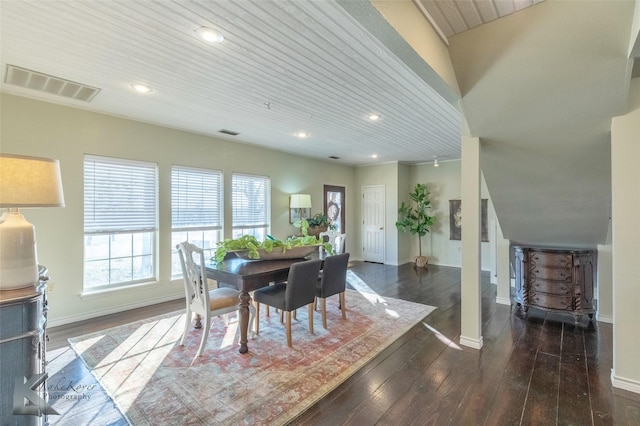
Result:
x=301 y=284
x=196 y=286
x=334 y=275
x=336 y=239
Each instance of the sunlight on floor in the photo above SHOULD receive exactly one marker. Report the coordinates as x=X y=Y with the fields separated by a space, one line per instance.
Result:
x=444 y=339
x=368 y=293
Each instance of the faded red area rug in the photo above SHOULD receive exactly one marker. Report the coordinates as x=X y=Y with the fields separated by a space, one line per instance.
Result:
x=155 y=381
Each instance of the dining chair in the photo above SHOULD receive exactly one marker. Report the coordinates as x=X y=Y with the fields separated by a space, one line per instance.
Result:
x=201 y=300
x=336 y=239
x=333 y=280
x=297 y=291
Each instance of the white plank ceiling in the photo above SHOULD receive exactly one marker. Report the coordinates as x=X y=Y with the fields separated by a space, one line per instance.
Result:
x=284 y=67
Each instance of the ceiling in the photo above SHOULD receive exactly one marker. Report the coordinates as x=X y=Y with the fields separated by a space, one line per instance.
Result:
x=284 y=67
x=538 y=91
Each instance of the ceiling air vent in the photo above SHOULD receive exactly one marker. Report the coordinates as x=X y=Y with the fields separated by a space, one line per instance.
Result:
x=333 y=157
x=229 y=132
x=49 y=84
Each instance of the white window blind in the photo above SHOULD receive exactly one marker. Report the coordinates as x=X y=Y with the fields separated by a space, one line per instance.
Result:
x=251 y=201
x=196 y=198
x=119 y=195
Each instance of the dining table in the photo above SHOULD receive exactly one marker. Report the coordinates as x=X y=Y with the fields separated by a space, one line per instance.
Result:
x=247 y=276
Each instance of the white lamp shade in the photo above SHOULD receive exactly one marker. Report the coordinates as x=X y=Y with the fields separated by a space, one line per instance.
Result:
x=300 y=201
x=24 y=182
x=30 y=182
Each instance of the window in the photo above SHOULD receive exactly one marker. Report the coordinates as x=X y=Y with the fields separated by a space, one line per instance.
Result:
x=196 y=210
x=251 y=204
x=120 y=222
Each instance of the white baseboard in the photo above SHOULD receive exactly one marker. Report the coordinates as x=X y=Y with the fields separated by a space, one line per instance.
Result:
x=624 y=383
x=471 y=343
x=93 y=314
x=503 y=300
x=605 y=318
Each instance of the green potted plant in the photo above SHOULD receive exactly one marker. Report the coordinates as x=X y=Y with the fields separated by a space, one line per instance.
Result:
x=315 y=225
x=415 y=218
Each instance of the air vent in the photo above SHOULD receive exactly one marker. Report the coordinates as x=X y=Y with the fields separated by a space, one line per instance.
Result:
x=49 y=84
x=333 y=157
x=229 y=132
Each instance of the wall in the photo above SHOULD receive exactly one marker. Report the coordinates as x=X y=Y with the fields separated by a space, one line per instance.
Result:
x=444 y=183
x=42 y=129
x=625 y=197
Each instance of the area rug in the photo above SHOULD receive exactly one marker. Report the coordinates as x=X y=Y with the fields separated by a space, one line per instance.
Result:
x=153 y=380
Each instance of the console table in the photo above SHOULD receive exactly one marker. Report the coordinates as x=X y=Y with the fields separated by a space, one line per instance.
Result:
x=23 y=319
x=555 y=280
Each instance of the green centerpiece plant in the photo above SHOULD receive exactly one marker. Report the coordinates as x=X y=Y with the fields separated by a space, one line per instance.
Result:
x=415 y=218
x=253 y=245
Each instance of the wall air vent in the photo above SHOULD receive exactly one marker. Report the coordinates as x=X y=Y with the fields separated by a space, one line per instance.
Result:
x=49 y=84
x=229 y=132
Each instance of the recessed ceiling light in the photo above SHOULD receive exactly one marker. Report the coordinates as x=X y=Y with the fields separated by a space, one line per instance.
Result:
x=374 y=155
x=210 y=35
x=374 y=117
x=142 y=88
x=302 y=134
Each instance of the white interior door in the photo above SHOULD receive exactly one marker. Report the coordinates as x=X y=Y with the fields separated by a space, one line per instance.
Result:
x=373 y=223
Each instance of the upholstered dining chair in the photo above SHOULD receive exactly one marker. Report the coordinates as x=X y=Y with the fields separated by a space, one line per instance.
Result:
x=336 y=239
x=299 y=290
x=201 y=300
x=333 y=280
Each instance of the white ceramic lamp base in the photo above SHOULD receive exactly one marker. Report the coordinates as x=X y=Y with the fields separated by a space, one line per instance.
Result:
x=18 y=260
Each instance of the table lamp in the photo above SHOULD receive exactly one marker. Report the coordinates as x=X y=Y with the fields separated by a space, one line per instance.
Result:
x=24 y=182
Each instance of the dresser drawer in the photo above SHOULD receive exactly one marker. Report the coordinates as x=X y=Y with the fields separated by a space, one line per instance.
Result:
x=550 y=259
x=551 y=301
x=547 y=273
x=551 y=287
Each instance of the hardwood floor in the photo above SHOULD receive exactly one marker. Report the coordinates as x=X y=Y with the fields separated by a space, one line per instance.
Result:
x=541 y=370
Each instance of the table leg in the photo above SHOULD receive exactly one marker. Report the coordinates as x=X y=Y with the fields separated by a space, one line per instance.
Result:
x=245 y=299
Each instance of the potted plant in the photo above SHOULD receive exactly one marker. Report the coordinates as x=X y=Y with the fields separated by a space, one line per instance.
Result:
x=415 y=218
x=315 y=225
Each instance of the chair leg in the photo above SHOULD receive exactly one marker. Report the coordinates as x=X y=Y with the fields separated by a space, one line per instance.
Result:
x=289 y=328
x=205 y=334
x=310 y=307
x=252 y=321
x=267 y=310
x=295 y=314
x=342 y=306
x=187 y=323
x=324 y=312
x=281 y=317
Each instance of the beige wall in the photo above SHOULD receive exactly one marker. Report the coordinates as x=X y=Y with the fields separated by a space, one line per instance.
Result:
x=407 y=20
x=625 y=197
x=444 y=183
x=42 y=129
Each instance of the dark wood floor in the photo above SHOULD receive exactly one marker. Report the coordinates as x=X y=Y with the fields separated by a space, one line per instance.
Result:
x=542 y=370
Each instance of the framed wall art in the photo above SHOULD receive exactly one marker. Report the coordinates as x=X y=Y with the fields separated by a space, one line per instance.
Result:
x=455 y=220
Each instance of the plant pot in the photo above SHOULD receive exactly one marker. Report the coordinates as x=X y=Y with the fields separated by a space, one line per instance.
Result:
x=421 y=261
x=316 y=230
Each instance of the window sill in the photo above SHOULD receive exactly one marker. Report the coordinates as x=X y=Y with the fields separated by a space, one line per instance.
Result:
x=90 y=294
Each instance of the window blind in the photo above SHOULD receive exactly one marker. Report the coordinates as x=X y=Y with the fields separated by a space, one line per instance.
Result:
x=196 y=198
x=119 y=195
x=250 y=200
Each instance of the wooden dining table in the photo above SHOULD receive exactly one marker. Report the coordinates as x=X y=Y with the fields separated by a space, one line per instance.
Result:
x=246 y=276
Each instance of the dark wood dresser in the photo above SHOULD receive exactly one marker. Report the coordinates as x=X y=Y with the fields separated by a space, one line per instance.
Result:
x=555 y=280
x=23 y=322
